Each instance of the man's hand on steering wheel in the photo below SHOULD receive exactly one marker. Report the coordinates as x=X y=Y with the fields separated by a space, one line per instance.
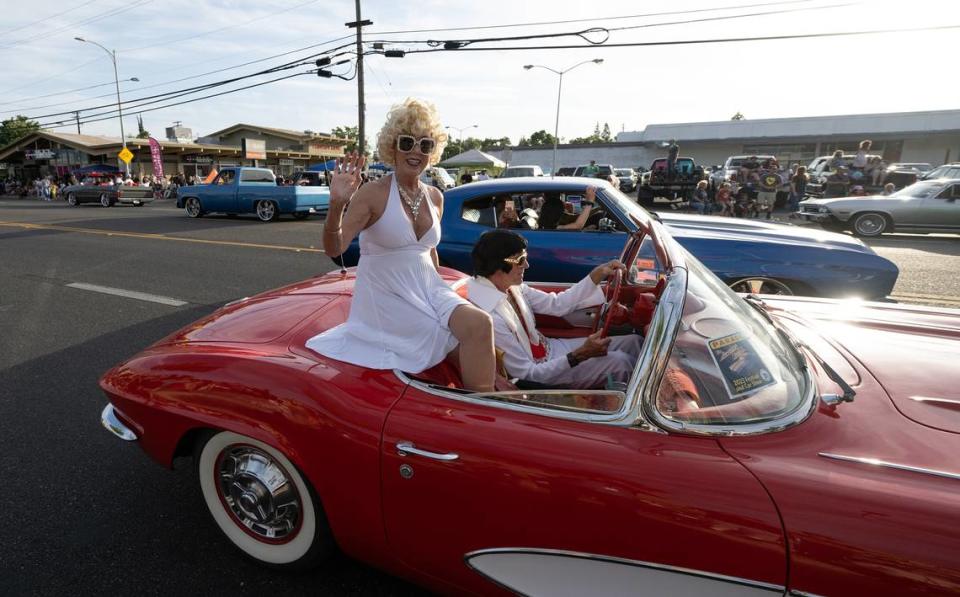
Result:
x=606 y=270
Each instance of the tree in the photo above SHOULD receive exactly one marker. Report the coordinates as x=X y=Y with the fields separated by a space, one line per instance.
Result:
x=538 y=138
x=737 y=116
x=143 y=133
x=15 y=128
x=605 y=136
x=352 y=133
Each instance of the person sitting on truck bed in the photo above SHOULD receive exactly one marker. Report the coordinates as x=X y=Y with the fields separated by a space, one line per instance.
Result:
x=747 y=167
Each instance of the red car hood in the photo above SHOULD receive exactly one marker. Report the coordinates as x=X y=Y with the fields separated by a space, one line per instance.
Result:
x=912 y=351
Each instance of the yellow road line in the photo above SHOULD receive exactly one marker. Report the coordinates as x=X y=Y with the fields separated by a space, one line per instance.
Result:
x=151 y=236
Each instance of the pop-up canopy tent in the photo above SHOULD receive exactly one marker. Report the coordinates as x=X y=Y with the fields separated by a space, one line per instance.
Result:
x=323 y=166
x=474 y=158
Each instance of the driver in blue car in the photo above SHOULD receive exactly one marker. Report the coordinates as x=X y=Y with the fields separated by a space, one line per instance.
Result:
x=499 y=260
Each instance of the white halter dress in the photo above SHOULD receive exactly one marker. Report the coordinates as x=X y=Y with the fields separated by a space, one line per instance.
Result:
x=401 y=306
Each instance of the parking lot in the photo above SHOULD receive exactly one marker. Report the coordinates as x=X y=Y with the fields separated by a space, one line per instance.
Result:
x=83 y=288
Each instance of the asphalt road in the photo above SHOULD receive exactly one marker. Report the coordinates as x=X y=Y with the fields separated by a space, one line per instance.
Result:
x=88 y=514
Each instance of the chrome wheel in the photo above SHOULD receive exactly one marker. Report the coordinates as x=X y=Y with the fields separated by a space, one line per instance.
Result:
x=266 y=210
x=261 y=501
x=192 y=207
x=869 y=225
x=258 y=492
x=105 y=200
x=760 y=286
x=72 y=199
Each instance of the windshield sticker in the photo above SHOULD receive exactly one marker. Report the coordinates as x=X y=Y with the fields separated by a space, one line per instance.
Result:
x=742 y=368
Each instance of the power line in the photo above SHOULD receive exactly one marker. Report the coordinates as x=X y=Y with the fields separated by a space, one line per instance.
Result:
x=687 y=41
x=218 y=30
x=59 y=14
x=104 y=15
x=68 y=91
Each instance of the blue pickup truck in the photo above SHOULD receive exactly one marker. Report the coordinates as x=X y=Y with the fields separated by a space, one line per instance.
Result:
x=252 y=190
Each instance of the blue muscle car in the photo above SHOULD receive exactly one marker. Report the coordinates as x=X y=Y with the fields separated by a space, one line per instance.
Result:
x=252 y=190
x=750 y=256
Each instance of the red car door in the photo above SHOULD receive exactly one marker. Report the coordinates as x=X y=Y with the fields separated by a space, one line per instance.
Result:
x=547 y=505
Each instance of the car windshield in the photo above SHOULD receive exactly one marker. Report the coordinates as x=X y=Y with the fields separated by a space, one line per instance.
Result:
x=624 y=172
x=920 y=190
x=729 y=366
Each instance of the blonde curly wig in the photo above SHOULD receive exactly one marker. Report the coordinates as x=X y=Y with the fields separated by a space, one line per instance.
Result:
x=411 y=117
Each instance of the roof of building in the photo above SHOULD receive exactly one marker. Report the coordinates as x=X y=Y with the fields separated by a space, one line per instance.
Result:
x=287 y=133
x=940 y=121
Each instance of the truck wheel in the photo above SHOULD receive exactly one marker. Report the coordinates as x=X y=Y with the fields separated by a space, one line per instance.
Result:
x=267 y=211
x=869 y=224
x=192 y=207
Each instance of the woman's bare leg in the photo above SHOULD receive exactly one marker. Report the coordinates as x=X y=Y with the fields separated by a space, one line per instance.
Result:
x=474 y=329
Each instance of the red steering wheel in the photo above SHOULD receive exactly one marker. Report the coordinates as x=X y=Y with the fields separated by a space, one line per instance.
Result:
x=614 y=283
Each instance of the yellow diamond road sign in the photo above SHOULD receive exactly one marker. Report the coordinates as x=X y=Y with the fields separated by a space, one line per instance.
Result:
x=126 y=155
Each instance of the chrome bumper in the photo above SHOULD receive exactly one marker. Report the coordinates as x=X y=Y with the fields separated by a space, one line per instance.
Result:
x=813 y=217
x=112 y=424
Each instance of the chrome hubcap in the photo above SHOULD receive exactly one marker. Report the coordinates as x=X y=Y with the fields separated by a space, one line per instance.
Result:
x=72 y=199
x=870 y=224
x=193 y=207
x=761 y=286
x=259 y=494
x=104 y=201
x=265 y=210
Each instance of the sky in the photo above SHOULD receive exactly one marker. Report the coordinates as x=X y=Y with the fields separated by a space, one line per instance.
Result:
x=160 y=41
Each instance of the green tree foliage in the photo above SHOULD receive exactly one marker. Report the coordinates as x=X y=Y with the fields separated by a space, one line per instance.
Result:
x=352 y=133
x=737 y=116
x=600 y=135
x=142 y=133
x=538 y=138
x=16 y=127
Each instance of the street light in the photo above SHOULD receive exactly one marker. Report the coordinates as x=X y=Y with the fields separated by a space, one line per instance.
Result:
x=460 y=130
x=116 y=80
x=556 y=126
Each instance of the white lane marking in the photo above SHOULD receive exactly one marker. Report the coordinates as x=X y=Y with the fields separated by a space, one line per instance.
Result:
x=140 y=296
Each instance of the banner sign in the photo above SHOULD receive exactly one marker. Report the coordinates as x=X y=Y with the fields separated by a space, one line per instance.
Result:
x=157 y=156
x=39 y=154
x=254 y=149
x=285 y=162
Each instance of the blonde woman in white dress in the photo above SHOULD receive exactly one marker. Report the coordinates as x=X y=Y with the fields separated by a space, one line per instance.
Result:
x=402 y=315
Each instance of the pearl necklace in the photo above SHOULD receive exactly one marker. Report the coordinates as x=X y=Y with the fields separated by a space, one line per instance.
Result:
x=413 y=204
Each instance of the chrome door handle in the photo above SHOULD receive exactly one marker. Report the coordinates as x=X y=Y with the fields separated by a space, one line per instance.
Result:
x=404 y=448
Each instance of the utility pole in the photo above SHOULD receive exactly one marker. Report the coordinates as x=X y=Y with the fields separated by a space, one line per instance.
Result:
x=77 y=115
x=361 y=107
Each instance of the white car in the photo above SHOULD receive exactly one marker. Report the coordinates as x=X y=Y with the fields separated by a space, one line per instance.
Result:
x=518 y=171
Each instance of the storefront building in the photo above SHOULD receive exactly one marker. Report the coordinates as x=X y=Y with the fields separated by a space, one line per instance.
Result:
x=45 y=152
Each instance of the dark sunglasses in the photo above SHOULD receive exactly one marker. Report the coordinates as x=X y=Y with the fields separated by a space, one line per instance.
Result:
x=406 y=143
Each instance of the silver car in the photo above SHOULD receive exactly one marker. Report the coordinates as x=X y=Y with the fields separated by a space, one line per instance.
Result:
x=926 y=206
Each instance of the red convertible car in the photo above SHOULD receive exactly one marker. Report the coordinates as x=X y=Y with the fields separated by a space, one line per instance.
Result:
x=774 y=446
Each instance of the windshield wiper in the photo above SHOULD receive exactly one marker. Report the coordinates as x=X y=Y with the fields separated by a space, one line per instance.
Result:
x=796 y=344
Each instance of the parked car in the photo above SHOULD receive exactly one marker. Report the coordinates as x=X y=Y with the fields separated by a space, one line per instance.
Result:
x=514 y=171
x=605 y=170
x=731 y=168
x=927 y=206
x=628 y=179
x=771 y=446
x=438 y=177
x=102 y=190
x=820 y=171
x=566 y=171
x=749 y=255
x=252 y=190
x=677 y=185
x=944 y=171
x=918 y=167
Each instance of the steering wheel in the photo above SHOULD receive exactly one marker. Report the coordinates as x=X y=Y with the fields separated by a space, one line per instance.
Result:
x=614 y=283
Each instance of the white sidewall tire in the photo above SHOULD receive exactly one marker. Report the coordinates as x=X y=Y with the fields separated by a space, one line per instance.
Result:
x=279 y=555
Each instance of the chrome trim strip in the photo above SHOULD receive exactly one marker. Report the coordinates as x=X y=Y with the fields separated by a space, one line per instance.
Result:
x=615 y=560
x=935 y=400
x=110 y=422
x=893 y=465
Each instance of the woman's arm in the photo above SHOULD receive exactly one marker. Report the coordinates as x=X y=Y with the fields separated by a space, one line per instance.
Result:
x=437 y=197
x=589 y=199
x=338 y=230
